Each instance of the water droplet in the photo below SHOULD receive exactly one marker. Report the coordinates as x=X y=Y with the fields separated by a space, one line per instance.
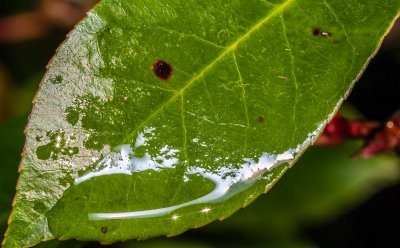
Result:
x=127 y=160
x=58 y=145
x=205 y=210
x=225 y=182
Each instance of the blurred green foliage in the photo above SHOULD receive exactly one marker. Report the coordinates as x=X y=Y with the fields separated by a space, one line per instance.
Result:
x=11 y=143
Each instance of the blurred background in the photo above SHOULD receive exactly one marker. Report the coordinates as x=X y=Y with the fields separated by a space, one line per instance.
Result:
x=326 y=200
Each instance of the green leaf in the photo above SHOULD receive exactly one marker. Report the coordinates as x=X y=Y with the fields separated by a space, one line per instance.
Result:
x=117 y=148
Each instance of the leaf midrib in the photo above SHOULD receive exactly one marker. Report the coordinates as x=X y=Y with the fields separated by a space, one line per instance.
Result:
x=227 y=50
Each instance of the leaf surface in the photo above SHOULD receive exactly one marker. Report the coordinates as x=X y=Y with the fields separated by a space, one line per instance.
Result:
x=159 y=116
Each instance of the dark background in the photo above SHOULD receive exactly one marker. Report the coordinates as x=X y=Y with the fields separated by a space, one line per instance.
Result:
x=376 y=223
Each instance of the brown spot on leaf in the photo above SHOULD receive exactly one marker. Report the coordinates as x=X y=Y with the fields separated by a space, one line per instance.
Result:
x=261 y=119
x=104 y=229
x=316 y=31
x=162 y=69
x=319 y=32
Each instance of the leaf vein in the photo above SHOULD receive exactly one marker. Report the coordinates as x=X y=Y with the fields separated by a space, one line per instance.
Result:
x=296 y=85
x=184 y=129
x=208 y=67
x=244 y=98
x=191 y=35
x=347 y=38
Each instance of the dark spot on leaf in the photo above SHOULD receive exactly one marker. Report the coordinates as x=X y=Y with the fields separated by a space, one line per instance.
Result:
x=261 y=119
x=316 y=31
x=319 y=32
x=57 y=79
x=162 y=70
x=104 y=229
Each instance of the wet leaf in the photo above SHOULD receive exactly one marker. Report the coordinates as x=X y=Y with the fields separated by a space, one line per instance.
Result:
x=156 y=117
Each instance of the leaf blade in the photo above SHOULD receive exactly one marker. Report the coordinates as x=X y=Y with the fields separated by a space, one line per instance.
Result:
x=102 y=89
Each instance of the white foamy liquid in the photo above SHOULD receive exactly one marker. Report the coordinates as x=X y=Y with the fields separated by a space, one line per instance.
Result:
x=228 y=180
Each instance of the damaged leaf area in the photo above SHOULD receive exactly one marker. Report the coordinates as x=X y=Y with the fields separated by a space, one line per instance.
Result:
x=155 y=117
